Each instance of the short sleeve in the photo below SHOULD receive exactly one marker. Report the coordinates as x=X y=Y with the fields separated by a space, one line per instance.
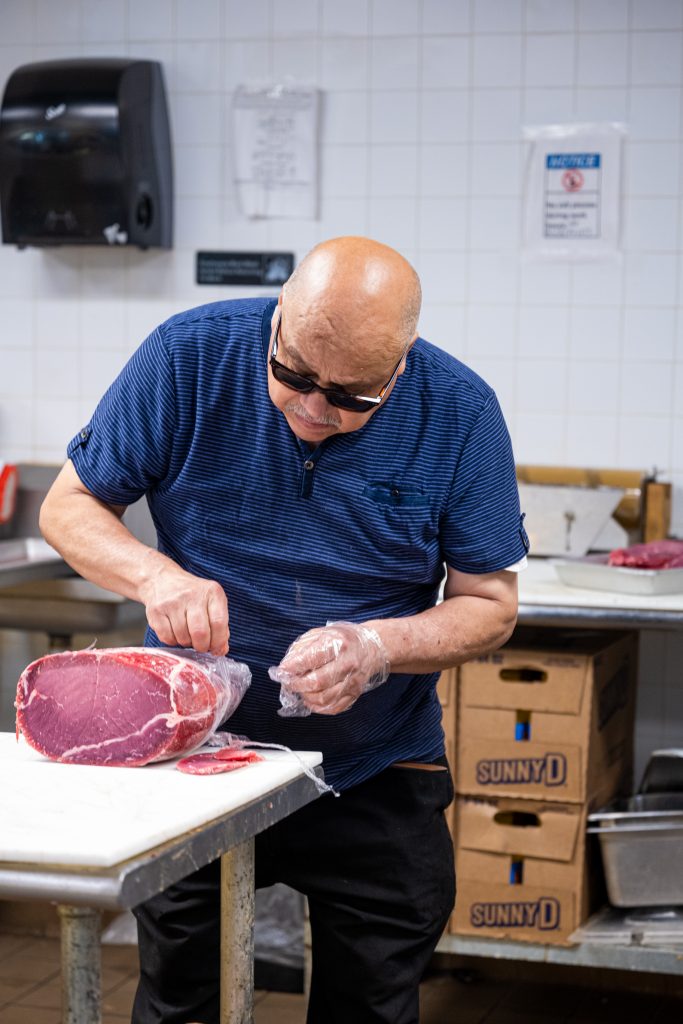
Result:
x=126 y=448
x=482 y=529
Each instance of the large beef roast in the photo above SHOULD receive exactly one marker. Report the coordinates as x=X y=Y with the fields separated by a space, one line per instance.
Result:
x=125 y=706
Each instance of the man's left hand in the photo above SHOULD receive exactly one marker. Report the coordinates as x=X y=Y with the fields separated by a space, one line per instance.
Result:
x=327 y=669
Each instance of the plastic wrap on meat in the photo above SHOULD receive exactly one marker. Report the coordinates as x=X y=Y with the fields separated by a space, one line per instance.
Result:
x=125 y=706
x=656 y=554
x=226 y=760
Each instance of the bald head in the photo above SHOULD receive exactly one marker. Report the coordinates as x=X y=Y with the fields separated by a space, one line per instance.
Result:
x=359 y=292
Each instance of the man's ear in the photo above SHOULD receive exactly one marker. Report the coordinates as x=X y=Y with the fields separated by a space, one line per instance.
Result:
x=403 y=363
x=277 y=311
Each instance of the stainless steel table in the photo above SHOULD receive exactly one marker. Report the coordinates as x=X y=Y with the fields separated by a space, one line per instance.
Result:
x=27 y=559
x=52 y=812
x=39 y=592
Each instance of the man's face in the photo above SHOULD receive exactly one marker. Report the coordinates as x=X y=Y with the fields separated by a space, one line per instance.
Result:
x=309 y=414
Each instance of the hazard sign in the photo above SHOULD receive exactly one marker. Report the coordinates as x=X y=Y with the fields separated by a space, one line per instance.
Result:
x=572 y=195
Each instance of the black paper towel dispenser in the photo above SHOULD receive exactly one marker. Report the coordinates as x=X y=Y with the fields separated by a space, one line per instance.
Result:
x=85 y=154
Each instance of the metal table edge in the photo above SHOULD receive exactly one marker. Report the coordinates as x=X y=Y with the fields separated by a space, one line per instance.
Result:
x=601 y=617
x=648 y=959
x=13 y=574
x=130 y=882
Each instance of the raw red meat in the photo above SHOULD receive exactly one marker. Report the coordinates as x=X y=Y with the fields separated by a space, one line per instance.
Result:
x=124 y=706
x=225 y=760
x=656 y=554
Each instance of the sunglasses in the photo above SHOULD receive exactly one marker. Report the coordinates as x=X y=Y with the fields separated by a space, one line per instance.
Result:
x=335 y=396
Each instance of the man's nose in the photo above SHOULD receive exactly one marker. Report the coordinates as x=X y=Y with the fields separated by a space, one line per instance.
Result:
x=315 y=403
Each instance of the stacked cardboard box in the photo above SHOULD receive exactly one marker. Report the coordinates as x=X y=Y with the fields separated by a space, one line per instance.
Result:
x=545 y=734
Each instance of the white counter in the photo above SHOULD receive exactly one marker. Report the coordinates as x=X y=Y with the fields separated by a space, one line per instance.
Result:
x=544 y=599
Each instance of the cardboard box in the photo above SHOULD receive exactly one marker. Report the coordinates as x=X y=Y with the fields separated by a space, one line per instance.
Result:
x=552 y=722
x=523 y=870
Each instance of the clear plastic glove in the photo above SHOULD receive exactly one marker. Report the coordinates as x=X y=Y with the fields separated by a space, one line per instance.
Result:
x=327 y=669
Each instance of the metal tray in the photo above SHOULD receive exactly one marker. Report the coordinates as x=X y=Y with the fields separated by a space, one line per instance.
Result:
x=663 y=772
x=593 y=573
x=639 y=926
x=641 y=839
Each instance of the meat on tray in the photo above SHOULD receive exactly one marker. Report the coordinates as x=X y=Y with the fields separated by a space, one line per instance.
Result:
x=123 y=706
x=656 y=554
x=227 y=759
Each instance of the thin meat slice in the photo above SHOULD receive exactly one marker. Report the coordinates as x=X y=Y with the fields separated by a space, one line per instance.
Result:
x=228 y=759
x=123 y=706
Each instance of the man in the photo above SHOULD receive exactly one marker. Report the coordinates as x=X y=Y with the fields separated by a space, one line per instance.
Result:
x=311 y=462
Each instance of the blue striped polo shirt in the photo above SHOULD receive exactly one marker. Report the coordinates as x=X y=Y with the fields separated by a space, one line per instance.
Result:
x=357 y=529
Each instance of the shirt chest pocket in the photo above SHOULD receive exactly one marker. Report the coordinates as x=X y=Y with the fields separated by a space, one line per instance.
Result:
x=396 y=495
x=400 y=523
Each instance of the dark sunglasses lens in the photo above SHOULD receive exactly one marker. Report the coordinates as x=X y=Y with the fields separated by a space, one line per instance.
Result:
x=289 y=378
x=348 y=402
x=303 y=384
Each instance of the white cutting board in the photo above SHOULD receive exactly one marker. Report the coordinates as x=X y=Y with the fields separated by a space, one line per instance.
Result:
x=78 y=814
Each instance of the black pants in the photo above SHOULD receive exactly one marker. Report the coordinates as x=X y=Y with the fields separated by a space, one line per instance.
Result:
x=377 y=867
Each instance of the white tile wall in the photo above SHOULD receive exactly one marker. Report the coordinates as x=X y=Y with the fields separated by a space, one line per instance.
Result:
x=490 y=331
x=420 y=145
x=654 y=113
x=103 y=20
x=497 y=60
x=351 y=18
x=657 y=14
x=602 y=15
x=549 y=16
x=543 y=332
x=582 y=431
x=655 y=58
x=294 y=17
x=444 y=116
x=550 y=60
x=649 y=332
x=446 y=16
x=498 y=15
x=653 y=168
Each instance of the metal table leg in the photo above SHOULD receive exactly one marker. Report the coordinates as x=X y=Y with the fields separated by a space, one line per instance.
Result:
x=81 y=965
x=237 y=934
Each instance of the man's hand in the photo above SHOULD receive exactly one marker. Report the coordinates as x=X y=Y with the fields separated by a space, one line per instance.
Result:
x=187 y=611
x=183 y=610
x=326 y=670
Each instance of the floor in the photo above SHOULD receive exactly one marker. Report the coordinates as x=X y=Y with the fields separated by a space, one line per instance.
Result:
x=481 y=992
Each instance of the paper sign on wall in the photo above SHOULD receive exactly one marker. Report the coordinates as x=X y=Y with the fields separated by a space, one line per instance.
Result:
x=275 y=134
x=573 y=191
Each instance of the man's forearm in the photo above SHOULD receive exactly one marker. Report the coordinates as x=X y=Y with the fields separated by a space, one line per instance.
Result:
x=91 y=537
x=454 y=631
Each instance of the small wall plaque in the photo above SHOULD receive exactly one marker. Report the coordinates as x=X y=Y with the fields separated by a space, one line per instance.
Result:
x=245 y=268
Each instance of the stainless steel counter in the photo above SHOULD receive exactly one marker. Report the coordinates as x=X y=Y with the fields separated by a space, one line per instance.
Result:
x=29 y=559
x=39 y=591
x=649 y=959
